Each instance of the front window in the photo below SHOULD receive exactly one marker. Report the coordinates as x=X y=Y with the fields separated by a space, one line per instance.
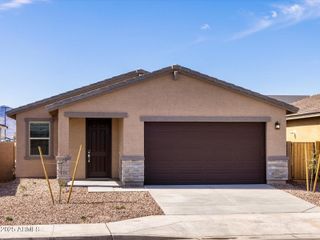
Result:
x=39 y=135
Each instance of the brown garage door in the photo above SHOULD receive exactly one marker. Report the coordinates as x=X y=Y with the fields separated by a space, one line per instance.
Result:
x=204 y=153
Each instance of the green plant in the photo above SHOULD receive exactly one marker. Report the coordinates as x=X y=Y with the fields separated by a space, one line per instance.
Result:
x=9 y=219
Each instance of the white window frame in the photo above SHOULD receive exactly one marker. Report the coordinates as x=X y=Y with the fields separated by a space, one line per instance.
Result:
x=40 y=138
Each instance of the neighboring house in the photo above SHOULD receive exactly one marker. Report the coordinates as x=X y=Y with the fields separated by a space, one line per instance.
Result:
x=3 y=129
x=170 y=126
x=289 y=98
x=9 y=133
x=304 y=126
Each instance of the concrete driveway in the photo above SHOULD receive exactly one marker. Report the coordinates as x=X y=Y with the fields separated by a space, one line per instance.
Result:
x=204 y=212
x=227 y=199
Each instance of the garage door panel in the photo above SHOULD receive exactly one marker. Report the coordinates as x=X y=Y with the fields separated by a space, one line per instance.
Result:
x=196 y=153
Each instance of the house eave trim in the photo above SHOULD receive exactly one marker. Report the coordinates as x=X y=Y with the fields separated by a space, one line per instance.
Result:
x=205 y=119
x=96 y=114
x=302 y=116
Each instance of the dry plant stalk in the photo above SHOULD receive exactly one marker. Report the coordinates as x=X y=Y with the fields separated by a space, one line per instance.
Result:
x=45 y=173
x=74 y=173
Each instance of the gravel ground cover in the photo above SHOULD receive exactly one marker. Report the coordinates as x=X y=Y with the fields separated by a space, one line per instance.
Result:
x=299 y=190
x=27 y=201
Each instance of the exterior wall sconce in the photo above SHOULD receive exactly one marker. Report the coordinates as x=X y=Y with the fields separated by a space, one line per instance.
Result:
x=277 y=125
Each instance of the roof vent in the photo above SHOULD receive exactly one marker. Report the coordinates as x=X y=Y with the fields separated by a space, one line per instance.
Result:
x=175 y=74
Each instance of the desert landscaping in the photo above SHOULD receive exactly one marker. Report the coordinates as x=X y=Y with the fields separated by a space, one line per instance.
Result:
x=27 y=201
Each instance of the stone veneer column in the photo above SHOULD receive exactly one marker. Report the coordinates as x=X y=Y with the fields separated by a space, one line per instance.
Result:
x=63 y=158
x=63 y=168
x=132 y=170
x=277 y=169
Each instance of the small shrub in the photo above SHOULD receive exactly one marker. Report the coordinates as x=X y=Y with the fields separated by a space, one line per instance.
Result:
x=83 y=218
x=23 y=188
x=120 y=207
x=9 y=219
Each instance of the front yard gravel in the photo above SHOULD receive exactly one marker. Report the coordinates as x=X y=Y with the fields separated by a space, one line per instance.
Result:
x=27 y=201
x=299 y=190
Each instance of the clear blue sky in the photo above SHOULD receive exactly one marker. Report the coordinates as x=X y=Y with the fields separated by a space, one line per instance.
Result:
x=50 y=46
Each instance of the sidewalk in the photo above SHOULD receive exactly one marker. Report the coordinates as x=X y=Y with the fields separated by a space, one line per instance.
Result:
x=239 y=226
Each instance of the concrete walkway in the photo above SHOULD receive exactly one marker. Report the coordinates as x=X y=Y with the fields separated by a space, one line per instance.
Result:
x=227 y=199
x=95 y=183
x=234 y=226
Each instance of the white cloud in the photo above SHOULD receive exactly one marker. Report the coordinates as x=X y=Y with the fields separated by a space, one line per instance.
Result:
x=259 y=26
x=205 y=27
x=14 y=4
x=284 y=15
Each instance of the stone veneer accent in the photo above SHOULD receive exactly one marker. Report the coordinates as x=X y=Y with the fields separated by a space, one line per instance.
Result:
x=277 y=169
x=63 y=168
x=132 y=170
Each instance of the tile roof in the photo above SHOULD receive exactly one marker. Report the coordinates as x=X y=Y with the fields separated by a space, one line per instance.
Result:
x=288 y=98
x=308 y=107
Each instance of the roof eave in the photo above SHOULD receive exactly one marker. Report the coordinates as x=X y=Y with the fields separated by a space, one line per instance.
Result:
x=13 y=112
x=289 y=108
x=56 y=105
x=302 y=116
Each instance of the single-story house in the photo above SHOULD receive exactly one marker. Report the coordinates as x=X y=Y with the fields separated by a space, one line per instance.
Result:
x=304 y=126
x=170 y=126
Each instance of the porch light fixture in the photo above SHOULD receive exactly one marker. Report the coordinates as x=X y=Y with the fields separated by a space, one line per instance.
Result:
x=277 y=125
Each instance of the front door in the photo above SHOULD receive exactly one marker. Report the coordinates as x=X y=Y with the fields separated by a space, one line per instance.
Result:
x=98 y=148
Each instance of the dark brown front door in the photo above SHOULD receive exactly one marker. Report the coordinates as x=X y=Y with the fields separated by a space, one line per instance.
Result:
x=204 y=153
x=98 y=148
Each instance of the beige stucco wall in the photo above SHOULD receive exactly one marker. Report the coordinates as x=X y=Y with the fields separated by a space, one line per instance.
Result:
x=78 y=137
x=32 y=167
x=183 y=97
x=115 y=148
x=120 y=145
x=303 y=130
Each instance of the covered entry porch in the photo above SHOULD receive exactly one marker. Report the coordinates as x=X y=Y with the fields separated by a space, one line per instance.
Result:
x=100 y=137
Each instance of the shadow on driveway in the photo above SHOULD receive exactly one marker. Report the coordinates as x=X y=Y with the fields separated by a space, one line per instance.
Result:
x=211 y=186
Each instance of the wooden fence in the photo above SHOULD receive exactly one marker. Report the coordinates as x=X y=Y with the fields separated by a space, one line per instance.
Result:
x=7 y=160
x=298 y=152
